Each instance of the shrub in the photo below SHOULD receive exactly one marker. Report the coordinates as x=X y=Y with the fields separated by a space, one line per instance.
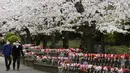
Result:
x=9 y=34
x=110 y=37
x=13 y=38
x=118 y=49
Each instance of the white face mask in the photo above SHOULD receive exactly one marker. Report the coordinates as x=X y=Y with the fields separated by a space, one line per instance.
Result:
x=17 y=44
x=8 y=42
x=14 y=43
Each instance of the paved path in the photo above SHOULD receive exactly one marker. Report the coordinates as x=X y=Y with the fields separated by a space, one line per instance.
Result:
x=23 y=69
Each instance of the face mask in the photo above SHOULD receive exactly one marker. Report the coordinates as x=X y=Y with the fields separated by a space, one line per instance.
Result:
x=8 y=42
x=17 y=43
x=14 y=43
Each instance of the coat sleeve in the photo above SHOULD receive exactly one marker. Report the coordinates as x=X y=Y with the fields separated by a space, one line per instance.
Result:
x=3 y=50
x=21 y=49
x=13 y=50
x=10 y=49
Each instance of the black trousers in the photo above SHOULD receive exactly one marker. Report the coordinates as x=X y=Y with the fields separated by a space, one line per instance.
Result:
x=7 y=62
x=16 y=59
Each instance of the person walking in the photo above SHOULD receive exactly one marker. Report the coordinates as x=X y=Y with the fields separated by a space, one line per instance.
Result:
x=16 y=54
x=7 y=52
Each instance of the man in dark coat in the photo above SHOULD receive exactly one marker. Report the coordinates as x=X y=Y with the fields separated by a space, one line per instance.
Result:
x=16 y=53
x=7 y=52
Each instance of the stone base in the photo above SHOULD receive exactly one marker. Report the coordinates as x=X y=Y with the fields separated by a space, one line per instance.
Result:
x=45 y=68
x=22 y=60
x=29 y=63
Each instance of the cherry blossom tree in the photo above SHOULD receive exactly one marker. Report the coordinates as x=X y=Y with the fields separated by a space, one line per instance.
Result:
x=49 y=16
x=106 y=13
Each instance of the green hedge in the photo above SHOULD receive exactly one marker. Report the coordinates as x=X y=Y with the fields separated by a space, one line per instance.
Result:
x=12 y=37
x=118 y=49
x=8 y=34
x=72 y=43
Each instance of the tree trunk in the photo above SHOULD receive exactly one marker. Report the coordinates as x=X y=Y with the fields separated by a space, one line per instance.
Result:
x=103 y=49
x=44 y=41
x=37 y=40
x=65 y=39
x=55 y=39
x=87 y=43
x=33 y=39
x=22 y=39
x=102 y=44
x=29 y=40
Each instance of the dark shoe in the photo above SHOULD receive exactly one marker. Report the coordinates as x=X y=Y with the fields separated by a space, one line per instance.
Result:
x=7 y=69
x=18 y=70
